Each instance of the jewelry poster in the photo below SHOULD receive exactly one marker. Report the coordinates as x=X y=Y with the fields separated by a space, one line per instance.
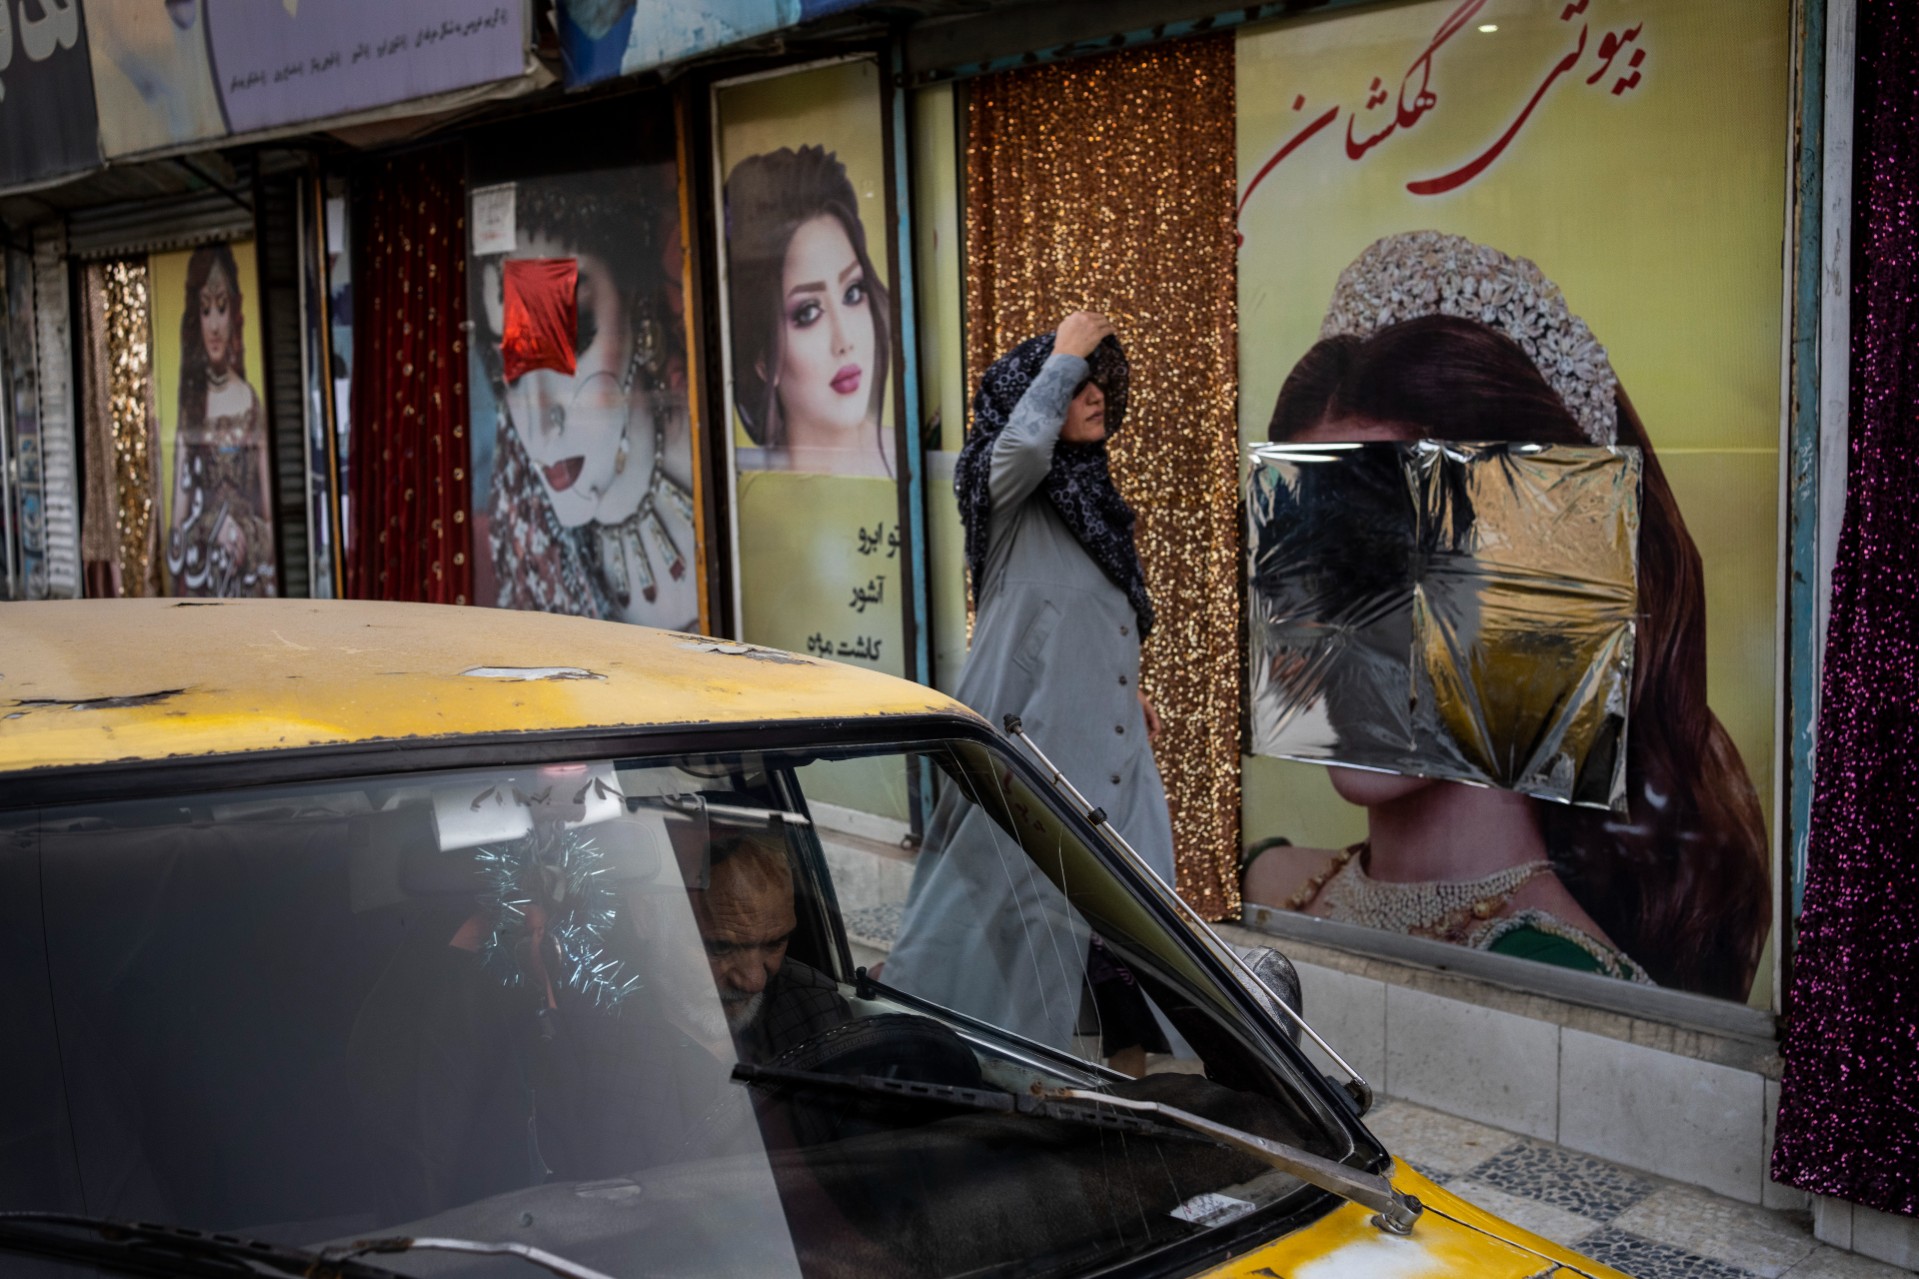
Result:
x=216 y=490
x=823 y=564
x=1485 y=222
x=585 y=495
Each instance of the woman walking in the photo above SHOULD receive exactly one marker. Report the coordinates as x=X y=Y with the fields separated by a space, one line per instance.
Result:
x=1061 y=608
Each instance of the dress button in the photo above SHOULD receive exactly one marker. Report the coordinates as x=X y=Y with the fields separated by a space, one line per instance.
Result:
x=1115 y=779
x=1122 y=681
x=1119 y=728
x=1125 y=629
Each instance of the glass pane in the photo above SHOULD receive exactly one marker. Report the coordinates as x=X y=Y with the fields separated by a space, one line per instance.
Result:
x=531 y=1003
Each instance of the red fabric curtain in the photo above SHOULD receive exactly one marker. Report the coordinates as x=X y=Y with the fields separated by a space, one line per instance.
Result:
x=411 y=495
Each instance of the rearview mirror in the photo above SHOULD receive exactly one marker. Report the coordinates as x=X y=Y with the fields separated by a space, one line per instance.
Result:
x=1281 y=981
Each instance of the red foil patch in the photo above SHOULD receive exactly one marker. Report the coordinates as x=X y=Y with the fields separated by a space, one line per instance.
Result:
x=540 y=318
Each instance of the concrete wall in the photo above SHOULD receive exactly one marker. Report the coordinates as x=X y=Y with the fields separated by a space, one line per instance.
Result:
x=1692 y=1105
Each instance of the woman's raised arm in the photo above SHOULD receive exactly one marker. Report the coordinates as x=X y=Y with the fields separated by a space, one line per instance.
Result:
x=1023 y=453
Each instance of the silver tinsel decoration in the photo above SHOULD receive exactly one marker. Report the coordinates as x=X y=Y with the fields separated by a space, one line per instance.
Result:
x=564 y=874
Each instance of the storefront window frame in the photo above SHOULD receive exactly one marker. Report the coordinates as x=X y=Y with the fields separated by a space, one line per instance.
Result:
x=1816 y=245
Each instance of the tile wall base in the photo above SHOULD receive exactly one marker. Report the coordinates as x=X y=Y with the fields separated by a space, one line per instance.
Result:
x=1685 y=1115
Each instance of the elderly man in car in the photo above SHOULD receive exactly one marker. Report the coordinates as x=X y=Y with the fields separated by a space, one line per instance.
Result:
x=744 y=911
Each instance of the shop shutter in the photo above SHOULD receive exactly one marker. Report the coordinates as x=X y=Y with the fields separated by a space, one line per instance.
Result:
x=277 y=204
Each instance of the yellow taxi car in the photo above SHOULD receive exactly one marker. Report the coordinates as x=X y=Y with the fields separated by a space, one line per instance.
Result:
x=364 y=939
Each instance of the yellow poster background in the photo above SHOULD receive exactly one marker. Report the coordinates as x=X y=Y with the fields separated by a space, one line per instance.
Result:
x=807 y=544
x=167 y=277
x=805 y=541
x=1659 y=210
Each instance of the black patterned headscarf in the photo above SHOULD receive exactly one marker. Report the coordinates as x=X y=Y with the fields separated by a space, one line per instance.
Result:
x=1079 y=485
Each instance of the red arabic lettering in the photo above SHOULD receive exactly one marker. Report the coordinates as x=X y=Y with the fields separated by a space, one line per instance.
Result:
x=1404 y=115
x=1609 y=50
x=1355 y=147
x=1416 y=97
x=1410 y=107
x=1466 y=173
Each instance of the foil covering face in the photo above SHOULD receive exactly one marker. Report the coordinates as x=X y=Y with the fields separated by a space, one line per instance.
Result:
x=1456 y=611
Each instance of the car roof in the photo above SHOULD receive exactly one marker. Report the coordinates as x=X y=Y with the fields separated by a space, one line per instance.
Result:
x=116 y=681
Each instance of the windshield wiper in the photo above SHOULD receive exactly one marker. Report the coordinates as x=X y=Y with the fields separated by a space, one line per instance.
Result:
x=139 y=1248
x=526 y=1252
x=1057 y=1106
x=1394 y=1211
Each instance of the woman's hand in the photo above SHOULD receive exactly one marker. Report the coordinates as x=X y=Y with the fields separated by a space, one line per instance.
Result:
x=1080 y=332
x=1152 y=718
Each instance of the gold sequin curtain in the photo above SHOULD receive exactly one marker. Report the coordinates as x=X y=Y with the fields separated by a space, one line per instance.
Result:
x=1108 y=184
x=119 y=535
x=411 y=538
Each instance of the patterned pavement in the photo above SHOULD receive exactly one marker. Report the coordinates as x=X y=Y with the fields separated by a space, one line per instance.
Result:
x=1645 y=1226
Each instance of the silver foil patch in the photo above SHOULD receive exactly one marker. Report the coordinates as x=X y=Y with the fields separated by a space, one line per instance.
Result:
x=1457 y=611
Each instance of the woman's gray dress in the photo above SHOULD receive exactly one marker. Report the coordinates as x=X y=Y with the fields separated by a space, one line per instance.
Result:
x=1056 y=643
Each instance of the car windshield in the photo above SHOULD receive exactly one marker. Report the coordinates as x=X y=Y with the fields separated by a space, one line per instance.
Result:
x=600 y=1007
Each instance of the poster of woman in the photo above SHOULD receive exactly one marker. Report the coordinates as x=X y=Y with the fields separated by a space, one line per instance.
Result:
x=218 y=494
x=583 y=444
x=1474 y=221
x=823 y=560
x=809 y=316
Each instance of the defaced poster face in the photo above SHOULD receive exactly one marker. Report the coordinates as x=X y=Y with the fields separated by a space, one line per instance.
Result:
x=217 y=535
x=1496 y=223
x=583 y=464
x=810 y=374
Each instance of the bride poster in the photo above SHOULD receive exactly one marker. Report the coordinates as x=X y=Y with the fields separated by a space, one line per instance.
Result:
x=1600 y=185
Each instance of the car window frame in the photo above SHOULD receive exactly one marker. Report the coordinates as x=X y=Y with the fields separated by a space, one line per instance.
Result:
x=22 y=793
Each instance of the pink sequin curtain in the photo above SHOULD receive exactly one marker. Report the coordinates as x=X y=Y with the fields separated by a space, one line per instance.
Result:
x=1849 y=1105
x=411 y=496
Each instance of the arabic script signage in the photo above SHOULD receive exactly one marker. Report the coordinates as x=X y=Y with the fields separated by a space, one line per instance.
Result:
x=823 y=565
x=1614 y=56
x=195 y=70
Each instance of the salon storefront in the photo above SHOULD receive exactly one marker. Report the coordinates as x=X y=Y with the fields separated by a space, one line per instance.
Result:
x=1603 y=186
x=1604 y=191
x=1608 y=624
x=171 y=424
x=543 y=353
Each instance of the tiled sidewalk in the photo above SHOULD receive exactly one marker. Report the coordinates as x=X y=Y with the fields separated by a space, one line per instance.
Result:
x=1647 y=1227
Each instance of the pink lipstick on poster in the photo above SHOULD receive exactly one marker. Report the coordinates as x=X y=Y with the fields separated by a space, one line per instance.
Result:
x=847 y=380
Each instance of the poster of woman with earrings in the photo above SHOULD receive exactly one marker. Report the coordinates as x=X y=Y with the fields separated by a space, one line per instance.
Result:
x=583 y=469
x=824 y=559
x=216 y=504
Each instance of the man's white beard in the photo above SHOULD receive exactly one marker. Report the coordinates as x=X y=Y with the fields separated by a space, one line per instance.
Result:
x=703 y=1011
x=741 y=1013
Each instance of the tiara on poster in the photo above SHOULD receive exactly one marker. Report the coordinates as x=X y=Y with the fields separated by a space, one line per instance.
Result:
x=1420 y=273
